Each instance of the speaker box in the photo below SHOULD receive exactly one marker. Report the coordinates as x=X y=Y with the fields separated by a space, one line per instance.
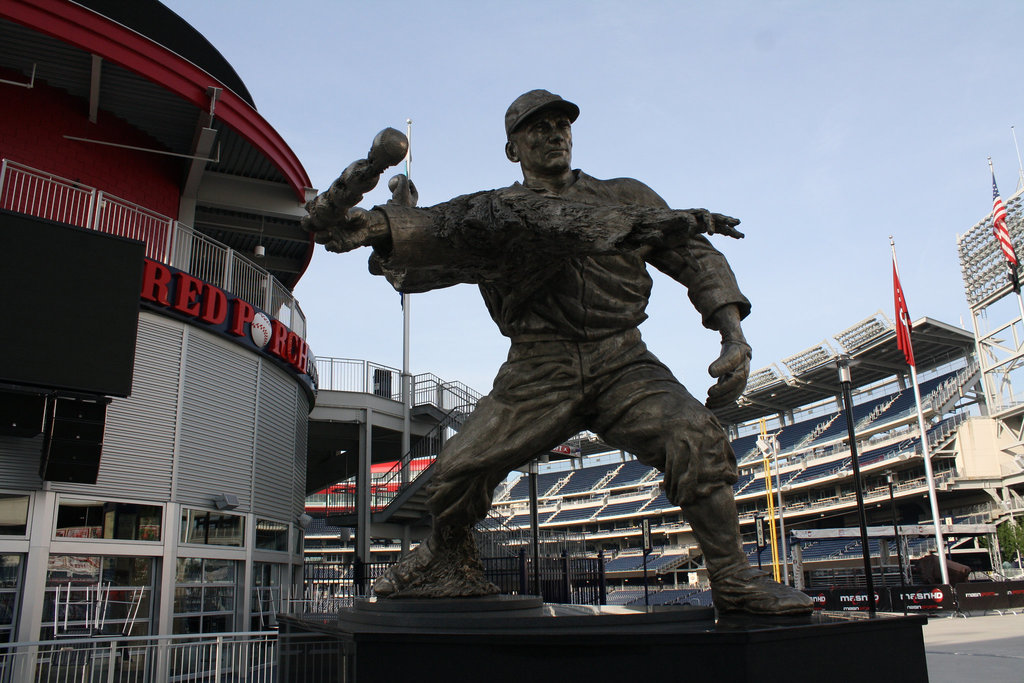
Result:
x=21 y=414
x=74 y=440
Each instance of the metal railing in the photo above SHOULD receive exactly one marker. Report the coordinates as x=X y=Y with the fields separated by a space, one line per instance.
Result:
x=361 y=376
x=44 y=195
x=431 y=389
x=116 y=216
x=37 y=193
x=241 y=656
x=349 y=374
x=565 y=577
x=417 y=461
x=876 y=493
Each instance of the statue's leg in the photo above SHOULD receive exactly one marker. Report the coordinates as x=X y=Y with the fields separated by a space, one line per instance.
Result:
x=735 y=585
x=530 y=410
x=656 y=418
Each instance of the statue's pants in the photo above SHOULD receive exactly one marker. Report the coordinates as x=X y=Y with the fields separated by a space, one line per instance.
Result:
x=548 y=391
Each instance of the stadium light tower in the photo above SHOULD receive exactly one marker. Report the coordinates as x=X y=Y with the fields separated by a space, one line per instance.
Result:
x=996 y=331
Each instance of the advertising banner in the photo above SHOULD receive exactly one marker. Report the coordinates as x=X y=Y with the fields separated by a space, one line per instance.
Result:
x=822 y=598
x=1014 y=593
x=928 y=598
x=856 y=600
x=982 y=596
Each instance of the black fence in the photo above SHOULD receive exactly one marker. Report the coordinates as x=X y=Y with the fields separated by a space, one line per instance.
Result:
x=564 y=579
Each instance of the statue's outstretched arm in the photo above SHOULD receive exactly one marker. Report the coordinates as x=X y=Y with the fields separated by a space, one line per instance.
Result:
x=488 y=235
x=333 y=217
x=511 y=233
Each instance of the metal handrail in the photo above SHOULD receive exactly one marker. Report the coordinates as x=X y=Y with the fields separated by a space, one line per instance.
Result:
x=431 y=389
x=402 y=474
x=248 y=655
x=362 y=376
x=27 y=190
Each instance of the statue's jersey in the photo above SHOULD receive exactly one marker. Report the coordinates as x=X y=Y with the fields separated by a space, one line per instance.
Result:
x=581 y=279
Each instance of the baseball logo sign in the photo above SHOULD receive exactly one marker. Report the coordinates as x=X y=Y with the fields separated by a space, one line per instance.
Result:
x=260 y=330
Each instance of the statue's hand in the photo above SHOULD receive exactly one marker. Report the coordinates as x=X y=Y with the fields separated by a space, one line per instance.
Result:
x=403 y=191
x=333 y=217
x=674 y=227
x=360 y=228
x=715 y=223
x=732 y=367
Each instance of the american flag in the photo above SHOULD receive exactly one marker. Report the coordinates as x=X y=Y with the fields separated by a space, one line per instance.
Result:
x=902 y=317
x=1003 y=235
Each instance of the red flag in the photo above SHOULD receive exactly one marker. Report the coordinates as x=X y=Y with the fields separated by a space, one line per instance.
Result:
x=902 y=317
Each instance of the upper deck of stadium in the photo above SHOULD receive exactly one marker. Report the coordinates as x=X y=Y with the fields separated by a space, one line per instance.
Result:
x=811 y=375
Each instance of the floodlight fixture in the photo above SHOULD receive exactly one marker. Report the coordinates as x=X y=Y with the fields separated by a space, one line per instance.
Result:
x=982 y=264
x=762 y=378
x=811 y=358
x=864 y=332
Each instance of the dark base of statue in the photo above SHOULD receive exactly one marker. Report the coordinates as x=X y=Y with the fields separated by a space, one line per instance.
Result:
x=507 y=638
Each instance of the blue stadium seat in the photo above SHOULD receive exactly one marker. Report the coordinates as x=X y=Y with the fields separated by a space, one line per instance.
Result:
x=744 y=446
x=817 y=471
x=624 y=596
x=573 y=514
x=622 y=508
x=631 y=473
x=545 y=480
x=661 y=503
x=625 y=563
x=742 y=481
x=585 y=479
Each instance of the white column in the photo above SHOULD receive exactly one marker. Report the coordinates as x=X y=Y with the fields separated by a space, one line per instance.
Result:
x=168 y=569
x=33 y=592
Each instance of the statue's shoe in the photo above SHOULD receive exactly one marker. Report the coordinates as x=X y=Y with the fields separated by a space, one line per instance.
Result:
x=403 y=574
x=752 y=591
x=424 y=574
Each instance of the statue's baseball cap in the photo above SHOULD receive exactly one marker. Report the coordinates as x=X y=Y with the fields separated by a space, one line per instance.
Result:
x=532 y=102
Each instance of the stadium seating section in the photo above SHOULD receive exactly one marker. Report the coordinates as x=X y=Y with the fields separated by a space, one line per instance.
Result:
x=814 y=467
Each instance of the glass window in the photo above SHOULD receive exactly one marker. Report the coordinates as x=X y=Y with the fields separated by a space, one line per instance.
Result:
x=267 y=581
x=204 y=595
x=95 y=595
x=271 y=535
x=212 y=528
x=10 y=589
x=99 y=519
x=13 y=515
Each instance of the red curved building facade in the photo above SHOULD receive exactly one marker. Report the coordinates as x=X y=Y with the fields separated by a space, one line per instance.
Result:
x=154 y=414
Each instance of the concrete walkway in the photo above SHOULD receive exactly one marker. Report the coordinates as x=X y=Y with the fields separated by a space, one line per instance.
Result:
x=982 y=649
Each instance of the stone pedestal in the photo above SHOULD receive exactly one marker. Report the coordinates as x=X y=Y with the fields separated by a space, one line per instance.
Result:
x=520 y=639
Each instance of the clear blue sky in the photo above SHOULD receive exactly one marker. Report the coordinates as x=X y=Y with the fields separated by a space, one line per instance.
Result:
x=824 y=126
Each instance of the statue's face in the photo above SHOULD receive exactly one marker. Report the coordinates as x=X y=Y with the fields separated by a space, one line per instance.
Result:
x=543 y=144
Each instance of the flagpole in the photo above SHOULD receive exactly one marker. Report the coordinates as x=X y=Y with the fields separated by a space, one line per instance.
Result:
x=407 y=386
x=1020 y=165
x=933 y=499
x=1011 y=266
